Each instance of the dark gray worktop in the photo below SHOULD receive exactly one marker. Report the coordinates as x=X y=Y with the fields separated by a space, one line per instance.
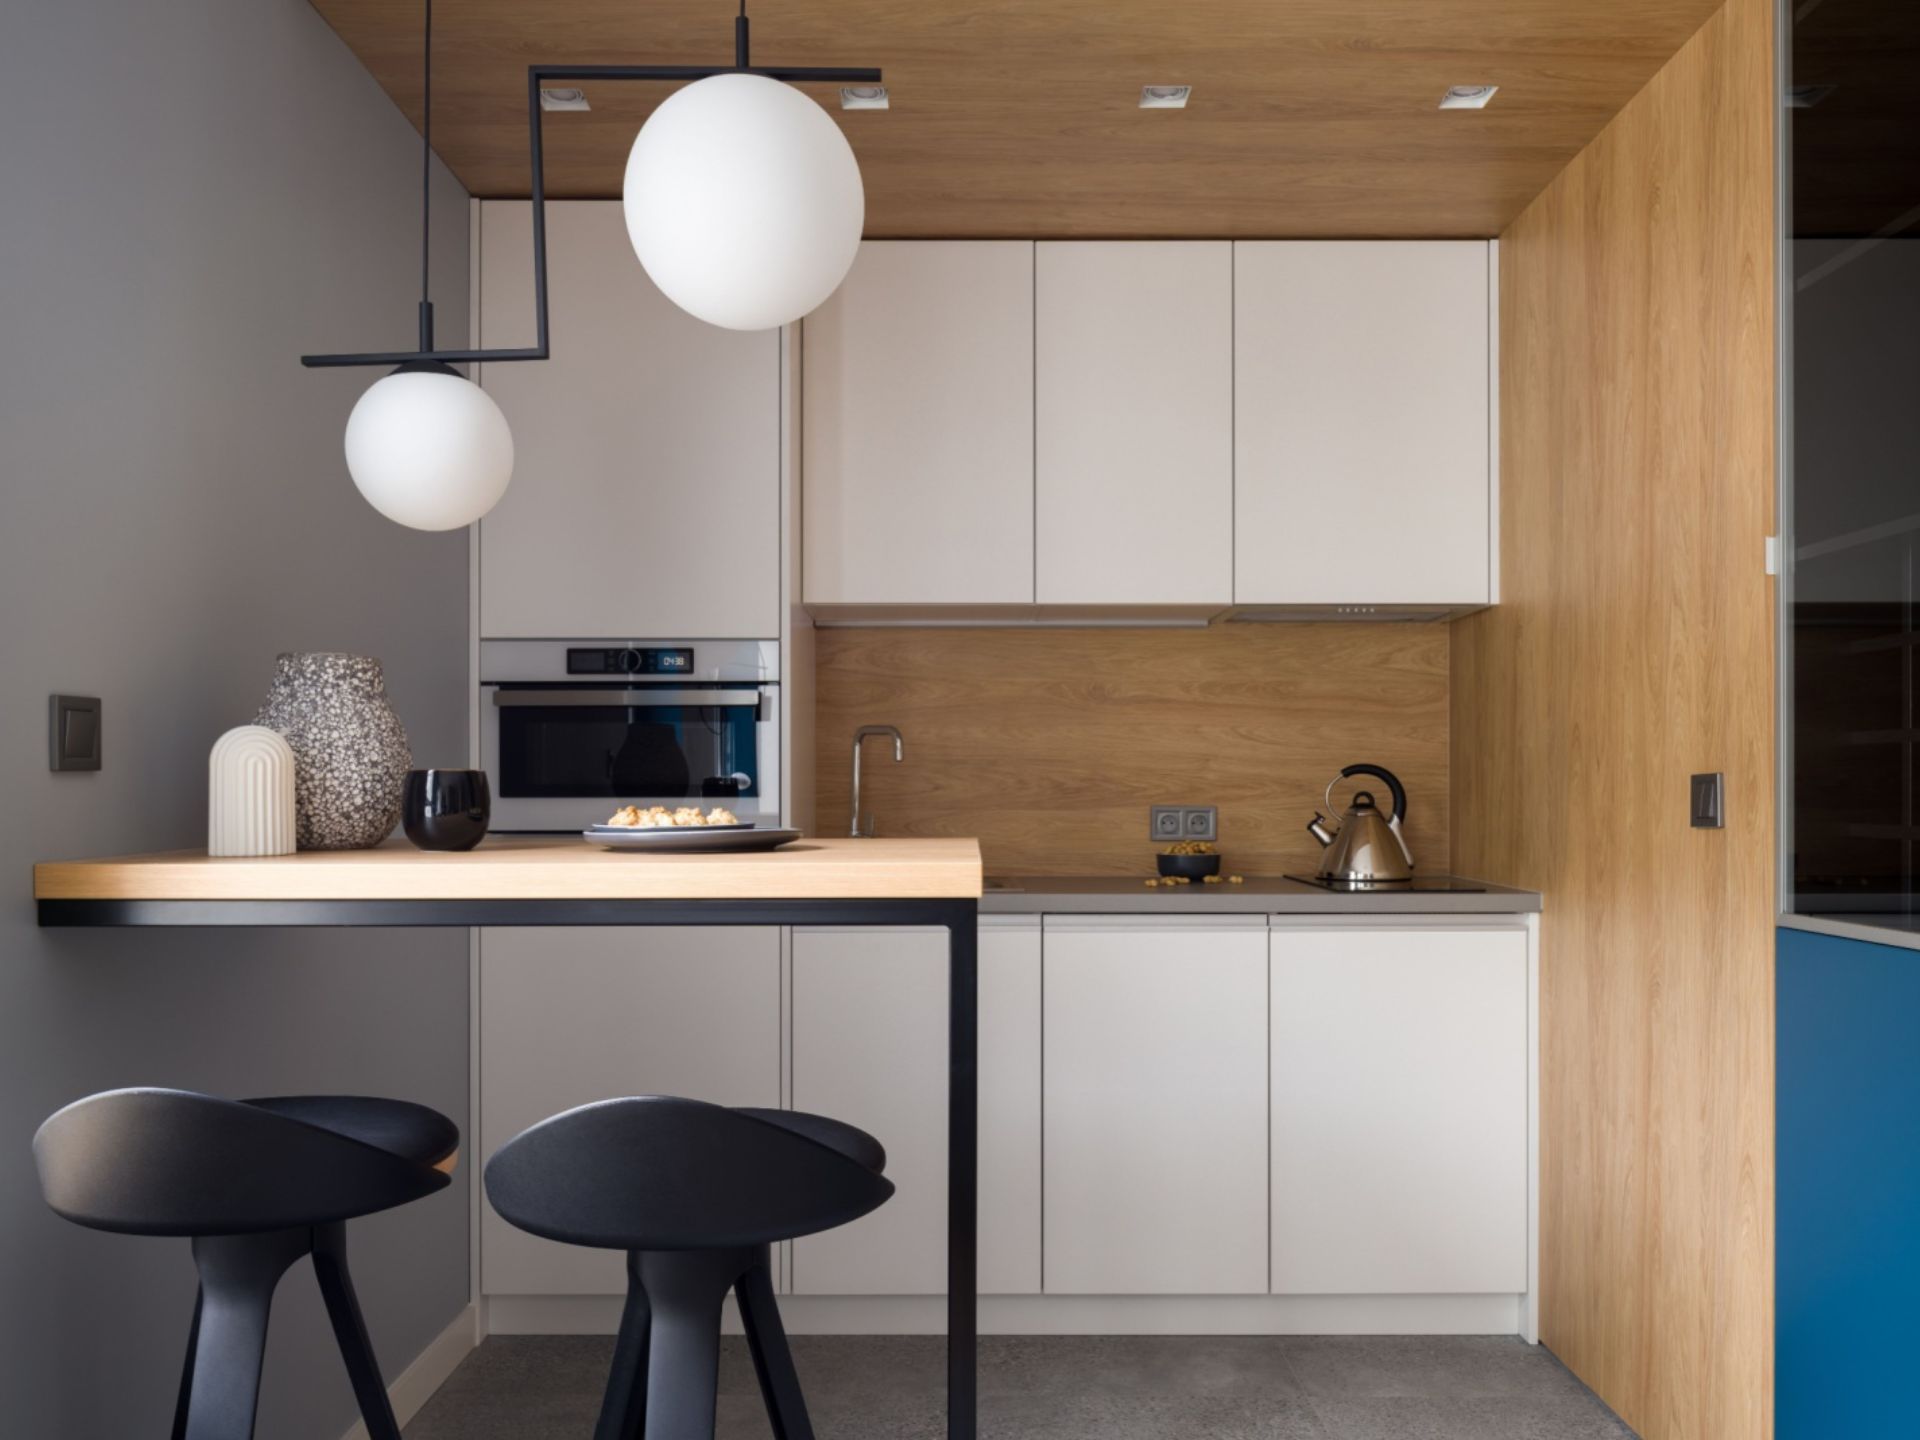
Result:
x=1091 y=895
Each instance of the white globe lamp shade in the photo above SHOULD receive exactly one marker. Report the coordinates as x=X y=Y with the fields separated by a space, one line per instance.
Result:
x=429 y=449
x=743 y=201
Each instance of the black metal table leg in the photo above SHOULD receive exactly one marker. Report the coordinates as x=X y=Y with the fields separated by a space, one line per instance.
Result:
x=963 y=1169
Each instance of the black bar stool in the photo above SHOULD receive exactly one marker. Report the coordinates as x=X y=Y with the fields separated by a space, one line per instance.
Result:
x=695 y=1194
x=255 y=1184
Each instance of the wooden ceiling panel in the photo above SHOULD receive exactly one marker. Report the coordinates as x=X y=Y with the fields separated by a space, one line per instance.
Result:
x=1020 y=117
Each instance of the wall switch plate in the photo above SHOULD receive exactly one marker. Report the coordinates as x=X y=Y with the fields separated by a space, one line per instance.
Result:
x=1183 y=822
x=1708 y=802
x=73 y=732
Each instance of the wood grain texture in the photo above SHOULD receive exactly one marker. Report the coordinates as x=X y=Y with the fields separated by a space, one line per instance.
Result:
x=1634 y=646
x=530 y=867
x=1050 y=745
x=1020 y=118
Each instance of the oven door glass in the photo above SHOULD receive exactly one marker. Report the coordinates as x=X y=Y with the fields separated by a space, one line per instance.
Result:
x=628 y=743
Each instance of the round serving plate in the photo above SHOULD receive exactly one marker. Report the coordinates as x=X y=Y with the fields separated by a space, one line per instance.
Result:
x=682 y=839
x=659 y=829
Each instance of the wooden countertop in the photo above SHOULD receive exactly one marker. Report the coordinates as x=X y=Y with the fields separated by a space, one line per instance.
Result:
x=530 y=867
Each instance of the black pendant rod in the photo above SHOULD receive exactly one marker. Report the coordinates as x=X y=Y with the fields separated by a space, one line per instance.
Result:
x=426 y=180
x=537 y=75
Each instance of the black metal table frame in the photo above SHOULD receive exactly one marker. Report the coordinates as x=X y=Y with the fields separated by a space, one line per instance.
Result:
x=959 y=918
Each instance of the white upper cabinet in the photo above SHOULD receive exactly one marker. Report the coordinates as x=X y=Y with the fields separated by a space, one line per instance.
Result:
x=1134 y=423
x=1362 y=422
x=646 y=490
x=918 y=429
x=1400 y=1064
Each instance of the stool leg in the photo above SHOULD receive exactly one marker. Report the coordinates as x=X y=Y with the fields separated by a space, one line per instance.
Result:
x=772 y=1360
x=350 y=1331
x=238 y=1275
x=625 y=1405
x=685 y=1289
x=186 y=1372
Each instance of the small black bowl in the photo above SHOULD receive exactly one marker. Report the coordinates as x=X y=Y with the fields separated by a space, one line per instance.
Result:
x=446 y=809
x=1193 y=867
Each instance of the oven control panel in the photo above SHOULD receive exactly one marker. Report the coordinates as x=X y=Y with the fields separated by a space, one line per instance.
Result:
x=630 y=661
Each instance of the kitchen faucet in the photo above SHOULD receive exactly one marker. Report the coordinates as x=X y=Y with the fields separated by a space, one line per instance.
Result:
x=899 y=754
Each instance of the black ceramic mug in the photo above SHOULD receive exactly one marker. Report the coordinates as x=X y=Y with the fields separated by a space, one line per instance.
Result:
x=446 y=809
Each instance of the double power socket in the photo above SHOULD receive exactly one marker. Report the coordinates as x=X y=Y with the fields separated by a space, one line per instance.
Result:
x=1184 y=822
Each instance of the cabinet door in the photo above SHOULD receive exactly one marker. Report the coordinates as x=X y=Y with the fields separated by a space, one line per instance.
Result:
x=1399 y=1111
x=570 y=1015
x=1155 y=1106
x=870 y=1048
x=646 y=491
x=1361 y=422
x=1134 y=422
x=918 y=434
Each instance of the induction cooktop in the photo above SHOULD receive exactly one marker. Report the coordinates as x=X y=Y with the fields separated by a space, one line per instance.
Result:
x=1420 y=884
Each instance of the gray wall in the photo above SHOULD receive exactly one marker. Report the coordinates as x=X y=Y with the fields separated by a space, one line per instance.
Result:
x=191 y=195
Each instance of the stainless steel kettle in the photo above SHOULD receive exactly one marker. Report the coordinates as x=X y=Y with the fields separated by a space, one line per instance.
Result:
x=1364 y=847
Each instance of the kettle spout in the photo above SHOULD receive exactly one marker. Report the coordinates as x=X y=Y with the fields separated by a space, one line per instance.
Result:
x=1317 y=827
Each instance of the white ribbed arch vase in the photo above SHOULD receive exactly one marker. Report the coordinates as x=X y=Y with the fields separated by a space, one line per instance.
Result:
x=250 y=793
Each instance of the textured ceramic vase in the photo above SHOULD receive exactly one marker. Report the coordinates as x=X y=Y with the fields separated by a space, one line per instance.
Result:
x=250 y=790
x=350 y=753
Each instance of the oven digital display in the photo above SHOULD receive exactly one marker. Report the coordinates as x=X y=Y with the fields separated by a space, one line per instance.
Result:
x=631 y=660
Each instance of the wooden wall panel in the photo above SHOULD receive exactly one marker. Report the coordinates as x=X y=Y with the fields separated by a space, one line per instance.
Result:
x=1049 y=745
x=1634 y=647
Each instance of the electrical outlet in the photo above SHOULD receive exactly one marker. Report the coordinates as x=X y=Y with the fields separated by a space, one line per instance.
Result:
x=1184 y=822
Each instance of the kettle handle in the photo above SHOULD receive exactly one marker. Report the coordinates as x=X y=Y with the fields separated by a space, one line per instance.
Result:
x=1393 y=784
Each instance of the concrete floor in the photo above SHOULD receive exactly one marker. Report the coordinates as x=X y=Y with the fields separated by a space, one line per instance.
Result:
x=1071 y=1388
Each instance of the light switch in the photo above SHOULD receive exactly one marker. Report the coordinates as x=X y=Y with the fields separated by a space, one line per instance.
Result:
x=73 y=732
x=1709 y=802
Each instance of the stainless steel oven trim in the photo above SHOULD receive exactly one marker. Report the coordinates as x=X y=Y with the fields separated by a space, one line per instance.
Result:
x=626 y=699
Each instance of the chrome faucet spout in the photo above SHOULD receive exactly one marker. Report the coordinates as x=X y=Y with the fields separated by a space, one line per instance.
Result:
x=860 y=736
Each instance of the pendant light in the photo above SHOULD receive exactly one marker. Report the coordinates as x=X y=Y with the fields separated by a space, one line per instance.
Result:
x=743 y=199
x=743 y=202
x=425 y=446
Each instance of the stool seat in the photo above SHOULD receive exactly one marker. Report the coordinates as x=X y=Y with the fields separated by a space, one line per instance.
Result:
x=399 y=1127
x=856 y=1144
x=172 y=1162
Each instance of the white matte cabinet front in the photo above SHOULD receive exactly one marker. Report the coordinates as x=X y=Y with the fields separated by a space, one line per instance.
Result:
x=870 y=1047
x=1155 y=1106
x=1133 y=380
x=918 y=433
x=1362 y=422
x=1400 y=1144
x=574 y=1014
x=645 y=501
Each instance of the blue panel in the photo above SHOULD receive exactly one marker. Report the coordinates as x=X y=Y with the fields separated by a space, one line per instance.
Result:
x=1848 y=1254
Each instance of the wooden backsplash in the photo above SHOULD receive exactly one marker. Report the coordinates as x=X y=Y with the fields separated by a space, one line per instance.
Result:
x=1049 y=745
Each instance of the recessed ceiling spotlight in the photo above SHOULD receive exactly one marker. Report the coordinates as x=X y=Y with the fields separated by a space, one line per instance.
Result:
x=863 y=97
x=563 y=97
x=1467 y=97
x=1164 y=97
x=1805 y=97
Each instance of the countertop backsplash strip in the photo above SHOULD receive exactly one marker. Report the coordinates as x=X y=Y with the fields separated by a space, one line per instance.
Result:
x=1050 y=745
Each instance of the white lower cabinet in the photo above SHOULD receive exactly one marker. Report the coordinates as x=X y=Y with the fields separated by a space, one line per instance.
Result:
x=1400 y=1075
x=870 y=1047
x=570 y=1015
x=1156 y=1105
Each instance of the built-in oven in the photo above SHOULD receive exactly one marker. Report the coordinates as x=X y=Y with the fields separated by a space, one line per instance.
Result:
x=572 y=730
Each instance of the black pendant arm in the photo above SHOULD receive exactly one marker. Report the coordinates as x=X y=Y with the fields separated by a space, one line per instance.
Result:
x=537 y=76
